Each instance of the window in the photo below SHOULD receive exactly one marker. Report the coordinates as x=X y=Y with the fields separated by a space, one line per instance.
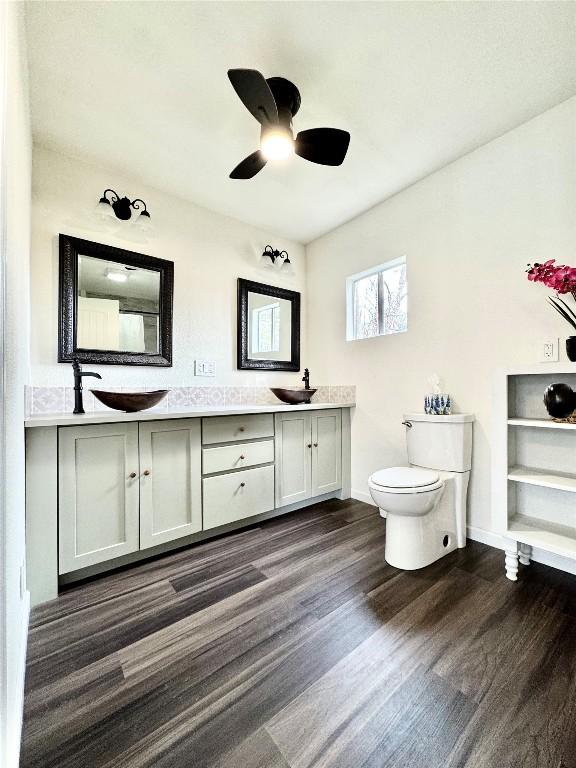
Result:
x=377 y=301
x=266 y=328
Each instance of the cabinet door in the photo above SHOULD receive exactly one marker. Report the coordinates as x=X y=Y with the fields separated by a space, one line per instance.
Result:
x=98 y=494
x=170 y=481
x=293 y=465
x=326 y=451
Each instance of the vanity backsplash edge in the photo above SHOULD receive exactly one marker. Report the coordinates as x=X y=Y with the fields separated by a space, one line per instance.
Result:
x=46 y=400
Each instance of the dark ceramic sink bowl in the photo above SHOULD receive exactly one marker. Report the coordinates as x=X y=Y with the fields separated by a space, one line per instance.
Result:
x=130 y=401
x=293 y=396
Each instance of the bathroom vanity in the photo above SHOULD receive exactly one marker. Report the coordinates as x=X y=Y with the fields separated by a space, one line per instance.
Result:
x=105 y=489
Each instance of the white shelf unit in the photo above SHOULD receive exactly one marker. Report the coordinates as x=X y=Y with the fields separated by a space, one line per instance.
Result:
x=534 y=467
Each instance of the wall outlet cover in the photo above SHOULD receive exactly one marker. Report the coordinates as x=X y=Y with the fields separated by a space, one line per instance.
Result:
x=204 y=368
x=549 y=351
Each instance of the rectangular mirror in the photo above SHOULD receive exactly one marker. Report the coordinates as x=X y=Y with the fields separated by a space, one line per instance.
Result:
x=268 y=327
x=115 y=305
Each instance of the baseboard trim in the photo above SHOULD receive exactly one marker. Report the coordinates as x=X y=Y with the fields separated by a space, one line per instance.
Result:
x=362 y=496
x=538 y=555
x=19 y=703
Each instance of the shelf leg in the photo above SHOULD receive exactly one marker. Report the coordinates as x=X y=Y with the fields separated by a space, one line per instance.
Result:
x=511 y=561
x=524 y=553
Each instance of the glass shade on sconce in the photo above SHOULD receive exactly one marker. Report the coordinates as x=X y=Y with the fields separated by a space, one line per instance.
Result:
x=104 y=210
x=287 y=267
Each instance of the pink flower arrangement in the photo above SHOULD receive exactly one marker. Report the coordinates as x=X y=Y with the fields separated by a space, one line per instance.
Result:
x=559 y=277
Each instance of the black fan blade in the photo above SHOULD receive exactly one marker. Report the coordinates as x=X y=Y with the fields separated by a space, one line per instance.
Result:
x=250 y=166
x=255 y=94
x=326 y=146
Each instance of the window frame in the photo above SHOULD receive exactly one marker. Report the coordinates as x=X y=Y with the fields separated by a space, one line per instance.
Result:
x=351 y=281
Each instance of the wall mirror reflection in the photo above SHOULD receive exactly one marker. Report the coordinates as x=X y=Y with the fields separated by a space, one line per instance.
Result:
x=115 y=305
x=268 y=327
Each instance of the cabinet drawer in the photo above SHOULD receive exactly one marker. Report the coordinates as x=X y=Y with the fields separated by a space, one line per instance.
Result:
x=237 y=456
x=235 y=496
x=225 y=429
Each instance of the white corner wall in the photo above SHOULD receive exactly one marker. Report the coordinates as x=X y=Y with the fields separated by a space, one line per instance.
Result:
x=468 y=232
x=210 y=252
x=16 y=164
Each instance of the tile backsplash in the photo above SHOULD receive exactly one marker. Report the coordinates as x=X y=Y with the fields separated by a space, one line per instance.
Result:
x=44 y=400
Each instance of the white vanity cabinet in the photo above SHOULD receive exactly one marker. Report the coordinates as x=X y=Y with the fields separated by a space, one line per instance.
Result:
x=126 y=487
x=104 y=490
x=98 y=514
x=170 y=485
x=308 y=455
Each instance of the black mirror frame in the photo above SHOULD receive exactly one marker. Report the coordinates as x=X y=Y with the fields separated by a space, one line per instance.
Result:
x=243 y=361
x=70 y=249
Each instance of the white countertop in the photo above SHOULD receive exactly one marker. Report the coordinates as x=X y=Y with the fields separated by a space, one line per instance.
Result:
x=108 y=416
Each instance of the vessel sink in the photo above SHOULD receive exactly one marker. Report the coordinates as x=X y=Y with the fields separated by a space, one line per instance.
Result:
x=293 y=396
x=130 y=401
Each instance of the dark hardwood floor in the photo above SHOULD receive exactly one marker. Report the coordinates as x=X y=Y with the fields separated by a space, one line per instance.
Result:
x=293 y=644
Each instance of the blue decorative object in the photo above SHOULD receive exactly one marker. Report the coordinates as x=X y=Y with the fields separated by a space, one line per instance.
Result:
x=438 y=405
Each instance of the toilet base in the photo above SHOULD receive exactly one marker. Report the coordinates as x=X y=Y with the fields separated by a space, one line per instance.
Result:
x=415 y=542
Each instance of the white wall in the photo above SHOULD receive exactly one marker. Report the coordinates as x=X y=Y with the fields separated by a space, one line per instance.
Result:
x=210 y=252
x=468 y=232
x=15 y=243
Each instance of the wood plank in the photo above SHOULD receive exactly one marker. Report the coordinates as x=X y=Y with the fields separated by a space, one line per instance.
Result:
x=294 y=645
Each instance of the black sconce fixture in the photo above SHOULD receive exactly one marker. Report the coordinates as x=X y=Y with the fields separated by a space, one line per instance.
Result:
x=111 y=204
x=271 y=257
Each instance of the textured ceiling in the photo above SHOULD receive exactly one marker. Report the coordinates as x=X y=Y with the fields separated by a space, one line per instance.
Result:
x=141 y=87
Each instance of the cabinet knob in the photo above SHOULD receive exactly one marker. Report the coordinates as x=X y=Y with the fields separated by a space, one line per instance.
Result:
x=146 y=472
x=242 y=485
x=315 y=445
x=309 y=445
x=132 y=475
x=242 y=456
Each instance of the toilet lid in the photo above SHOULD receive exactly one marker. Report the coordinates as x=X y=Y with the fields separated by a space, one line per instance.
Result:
x=405 y=477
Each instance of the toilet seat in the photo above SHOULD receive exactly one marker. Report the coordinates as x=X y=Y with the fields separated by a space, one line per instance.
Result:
x=406 y=480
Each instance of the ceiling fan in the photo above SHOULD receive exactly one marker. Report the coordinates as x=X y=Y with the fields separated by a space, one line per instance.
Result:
x=274 y=101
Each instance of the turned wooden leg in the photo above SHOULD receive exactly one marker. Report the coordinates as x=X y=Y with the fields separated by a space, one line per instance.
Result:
x=511 y=561
x=524 y=553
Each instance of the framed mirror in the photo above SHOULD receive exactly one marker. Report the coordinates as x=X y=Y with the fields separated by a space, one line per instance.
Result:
x=268 y=327
x=115 y=306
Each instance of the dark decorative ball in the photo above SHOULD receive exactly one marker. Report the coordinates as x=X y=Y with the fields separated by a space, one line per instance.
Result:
x=560 y=400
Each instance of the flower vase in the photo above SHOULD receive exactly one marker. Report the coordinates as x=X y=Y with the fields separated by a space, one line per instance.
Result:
x=571 y=348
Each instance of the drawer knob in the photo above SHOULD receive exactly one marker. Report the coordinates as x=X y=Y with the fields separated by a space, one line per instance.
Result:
x=242 y=456
x=132 y=475
x=242 y=485
x=240 y=429
x=146 y=472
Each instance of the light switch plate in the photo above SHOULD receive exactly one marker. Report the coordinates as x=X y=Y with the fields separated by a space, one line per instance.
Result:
x=204 y=368
x=549 y=351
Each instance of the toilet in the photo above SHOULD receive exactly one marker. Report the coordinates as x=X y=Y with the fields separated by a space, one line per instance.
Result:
x=425 y=503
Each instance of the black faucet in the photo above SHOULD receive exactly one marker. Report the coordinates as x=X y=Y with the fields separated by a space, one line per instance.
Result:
x=306 y=378
x=78 y=374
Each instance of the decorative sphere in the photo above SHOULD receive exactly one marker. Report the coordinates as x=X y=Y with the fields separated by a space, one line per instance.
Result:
x=560 y=400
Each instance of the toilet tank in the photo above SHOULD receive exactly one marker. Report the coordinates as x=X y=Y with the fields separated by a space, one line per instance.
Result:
x=440 y=442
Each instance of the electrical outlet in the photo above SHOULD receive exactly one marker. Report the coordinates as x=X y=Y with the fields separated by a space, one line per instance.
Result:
x=204 y=368
x=549 y=351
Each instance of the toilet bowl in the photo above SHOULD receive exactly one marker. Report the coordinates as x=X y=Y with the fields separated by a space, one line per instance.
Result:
x=425 y=504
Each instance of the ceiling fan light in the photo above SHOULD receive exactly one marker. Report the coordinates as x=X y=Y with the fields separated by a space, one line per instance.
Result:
x=277 y=145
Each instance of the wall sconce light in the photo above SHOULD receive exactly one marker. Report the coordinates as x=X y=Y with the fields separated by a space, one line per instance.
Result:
x=111 y=204
x=271 y=257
